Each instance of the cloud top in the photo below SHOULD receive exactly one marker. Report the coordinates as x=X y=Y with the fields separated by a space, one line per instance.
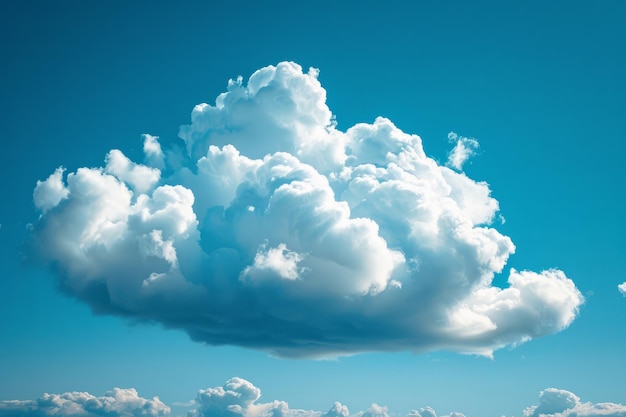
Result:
x=270 y=228
x=560 y=403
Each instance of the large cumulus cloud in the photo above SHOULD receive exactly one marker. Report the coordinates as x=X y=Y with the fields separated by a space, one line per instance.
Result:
x=270 y=228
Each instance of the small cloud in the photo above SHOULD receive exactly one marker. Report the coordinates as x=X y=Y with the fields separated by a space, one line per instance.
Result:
x=558 y=403
x=462 y=151
x=376 y=410
x=429 y=412
x=239 y=398
x=337 y=410
x=423 y=412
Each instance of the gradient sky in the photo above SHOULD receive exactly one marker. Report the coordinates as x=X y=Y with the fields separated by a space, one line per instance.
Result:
x=540 y=86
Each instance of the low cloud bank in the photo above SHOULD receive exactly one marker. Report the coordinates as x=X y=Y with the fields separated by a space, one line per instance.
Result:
x=236 y=398
x=115 y=403
x=560 y=403
x=240 y=398
x=268 y=227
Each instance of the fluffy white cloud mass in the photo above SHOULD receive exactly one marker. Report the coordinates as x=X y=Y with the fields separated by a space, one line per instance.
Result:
x=236 y=398
x=622 y=288
x=560 y=403
x=115 y=403
x=240 y=398
x=268 y=227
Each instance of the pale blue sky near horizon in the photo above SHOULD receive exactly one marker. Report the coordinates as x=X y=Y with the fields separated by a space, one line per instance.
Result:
x=540 y=85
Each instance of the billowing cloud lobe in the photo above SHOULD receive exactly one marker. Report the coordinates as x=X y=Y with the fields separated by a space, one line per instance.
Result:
x=270 y=228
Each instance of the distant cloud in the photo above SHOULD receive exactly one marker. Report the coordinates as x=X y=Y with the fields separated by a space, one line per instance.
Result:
x=560 y=403
x=429 y=412
x=375 y=410
x=337 y=410
x=622 y=288
x=240 y=398
x=269 y=228
x=115 y=403
x=462 y=151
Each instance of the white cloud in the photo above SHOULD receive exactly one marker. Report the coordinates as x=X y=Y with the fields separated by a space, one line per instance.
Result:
x=140 y=177
x=115 y=403
x=423 y=412
x=278 y=261
x=429 y=412
x=376 y=410
x=560 y=403
x=152 y=149
x=622 y=288
x=337 y=242
x=462 y=151
x=240 y=398
x=51 y=192
x=337 y=410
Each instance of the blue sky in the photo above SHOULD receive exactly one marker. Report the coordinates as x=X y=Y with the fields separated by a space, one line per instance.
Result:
x=539 y=86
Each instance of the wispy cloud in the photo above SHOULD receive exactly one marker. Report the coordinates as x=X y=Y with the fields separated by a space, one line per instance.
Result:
x=463 y=149
x=267 y=227
x=622 y=288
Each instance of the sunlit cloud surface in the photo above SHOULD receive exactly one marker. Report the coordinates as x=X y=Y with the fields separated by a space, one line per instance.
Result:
x=240 y=398
x=270 y=228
